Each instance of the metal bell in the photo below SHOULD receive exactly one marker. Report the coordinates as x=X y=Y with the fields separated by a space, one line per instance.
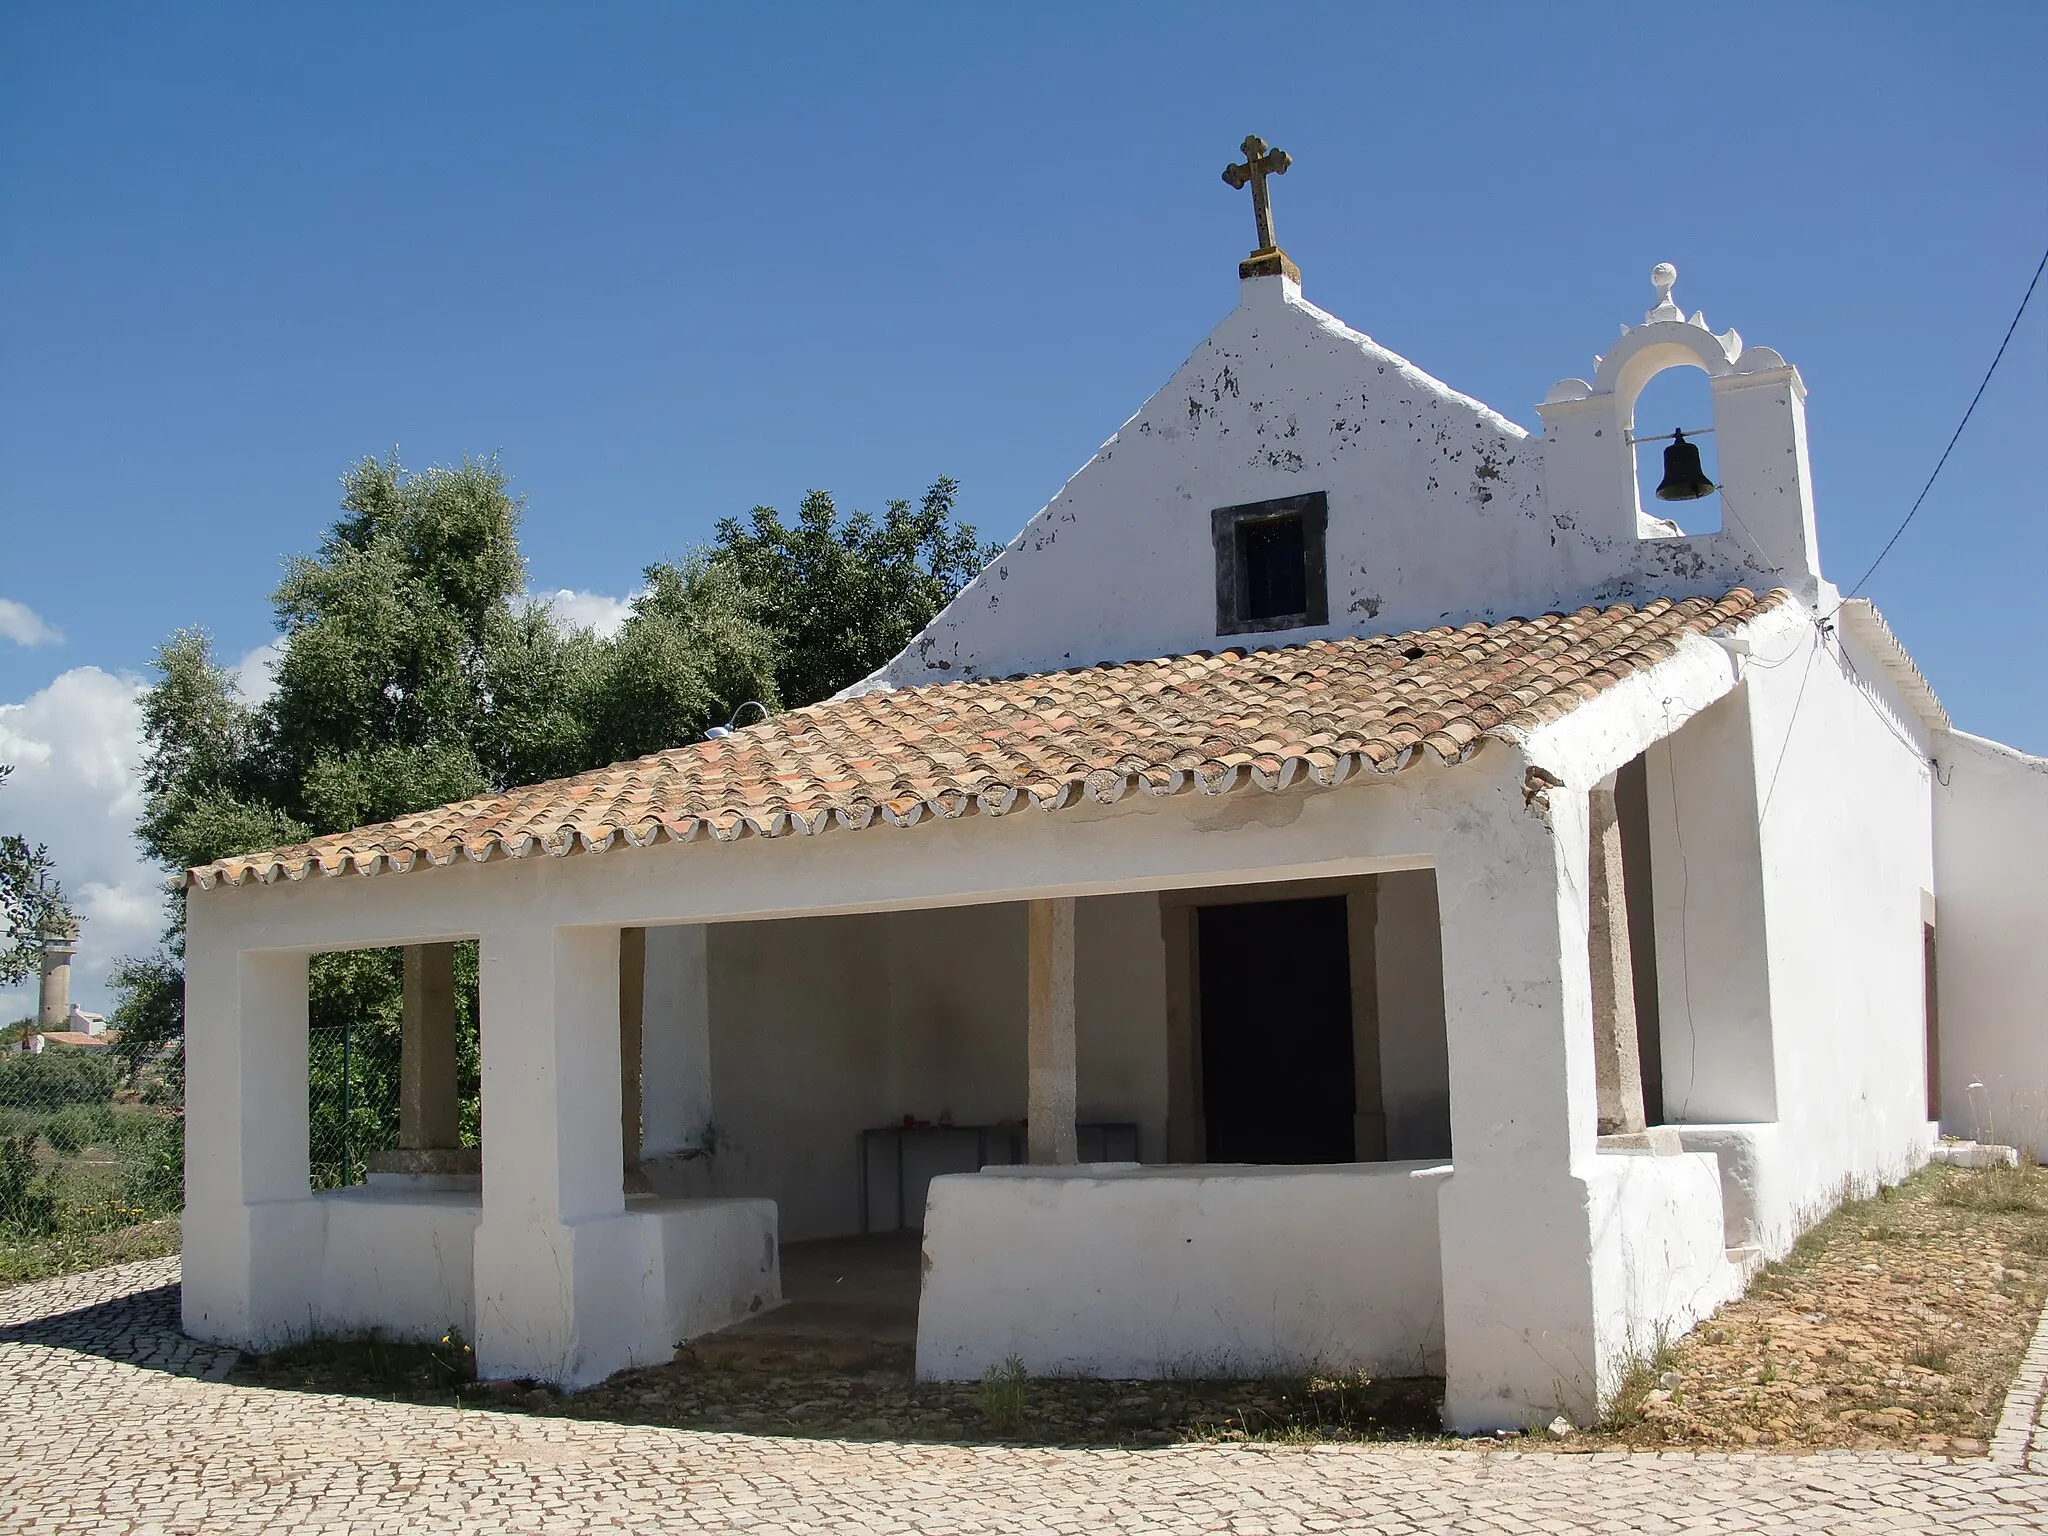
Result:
x=1684 y=479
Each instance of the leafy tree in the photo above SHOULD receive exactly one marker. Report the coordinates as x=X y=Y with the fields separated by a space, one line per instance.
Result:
x=842 y=596
x=56 y=1077
x=413 y=673
x=29 y=896
x=694 y=650
x=149 y=1015
x=207 y=781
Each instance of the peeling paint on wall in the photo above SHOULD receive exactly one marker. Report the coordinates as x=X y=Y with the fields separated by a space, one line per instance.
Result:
x=1439 y=511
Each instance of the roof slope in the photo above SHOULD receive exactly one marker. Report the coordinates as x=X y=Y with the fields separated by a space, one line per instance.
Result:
x=1327 y=710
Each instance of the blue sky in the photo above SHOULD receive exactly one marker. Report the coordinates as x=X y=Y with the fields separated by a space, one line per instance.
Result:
x=672 y=261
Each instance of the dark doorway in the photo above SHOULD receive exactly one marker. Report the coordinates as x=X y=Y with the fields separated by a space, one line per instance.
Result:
x=1632 y=809
x=1277 y=1082
x=1930 y=1005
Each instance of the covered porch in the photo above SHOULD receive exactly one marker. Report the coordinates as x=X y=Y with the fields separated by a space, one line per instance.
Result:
x=1360 y=1047
x=664 y=1103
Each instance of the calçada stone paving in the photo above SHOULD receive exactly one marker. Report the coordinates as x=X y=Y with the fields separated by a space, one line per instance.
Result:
x=117 y=1425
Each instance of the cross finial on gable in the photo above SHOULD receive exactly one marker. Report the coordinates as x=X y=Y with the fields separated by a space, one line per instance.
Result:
x=1259 y=163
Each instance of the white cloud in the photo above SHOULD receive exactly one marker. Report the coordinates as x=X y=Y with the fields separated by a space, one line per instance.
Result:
x=24 y=626
x=76 y=747
x=256 y=673
x=586 y=610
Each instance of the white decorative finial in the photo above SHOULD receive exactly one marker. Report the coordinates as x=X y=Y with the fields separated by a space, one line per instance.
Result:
x=1662 y=276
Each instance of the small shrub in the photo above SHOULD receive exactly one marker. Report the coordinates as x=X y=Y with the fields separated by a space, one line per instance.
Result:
x=153 y=1168
x=1937 y=1358
x=1002 y=1394
x=1625 y=1407
x=28 y=1203
x=1993 y=1192
x=77 y=1126
x=54 y=1078
x=455 y=1355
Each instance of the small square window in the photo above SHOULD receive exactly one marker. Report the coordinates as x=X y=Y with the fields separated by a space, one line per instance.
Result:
x=1269 y=564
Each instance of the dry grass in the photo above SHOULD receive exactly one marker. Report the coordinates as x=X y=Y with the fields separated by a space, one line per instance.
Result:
x=1898 y=1322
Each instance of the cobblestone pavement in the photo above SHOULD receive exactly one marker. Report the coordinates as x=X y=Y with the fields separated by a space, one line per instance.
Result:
x=116 y=1425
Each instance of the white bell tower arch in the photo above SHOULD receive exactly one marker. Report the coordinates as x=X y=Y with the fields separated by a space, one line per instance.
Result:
x=1759 y=427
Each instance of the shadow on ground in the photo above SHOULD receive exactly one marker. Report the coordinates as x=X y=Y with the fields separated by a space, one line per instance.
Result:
x=836 y=1361
x=139 y=1329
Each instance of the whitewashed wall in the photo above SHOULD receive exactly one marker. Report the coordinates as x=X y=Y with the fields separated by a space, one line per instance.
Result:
x=822 y=1027
x=1794 y=1002
x=1187 y=1271
x=1991 y=862
x=1438 y=507
x=1415 y=1066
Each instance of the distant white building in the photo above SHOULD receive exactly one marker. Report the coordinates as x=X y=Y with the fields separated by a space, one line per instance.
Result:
x=1504 y=919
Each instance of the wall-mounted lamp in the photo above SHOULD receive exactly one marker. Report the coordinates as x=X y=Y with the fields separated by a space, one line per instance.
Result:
x=717 y=732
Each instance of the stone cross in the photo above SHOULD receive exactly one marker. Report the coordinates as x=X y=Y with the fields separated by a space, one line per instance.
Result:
x=1259 y=163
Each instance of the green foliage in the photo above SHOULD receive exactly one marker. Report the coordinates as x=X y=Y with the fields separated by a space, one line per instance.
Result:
x=56 y=1077
x=150 y=1016
x=29 y=895
x=153 y=1165
x=842 y=596
x=205 y=780
x=1003 y=1394
x=694 y=650
x=28 y=1202
x=77 y=1126
x=387 y=630
x=412 y=673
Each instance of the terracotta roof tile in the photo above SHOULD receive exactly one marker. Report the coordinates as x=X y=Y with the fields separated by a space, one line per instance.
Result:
x=1327 y=711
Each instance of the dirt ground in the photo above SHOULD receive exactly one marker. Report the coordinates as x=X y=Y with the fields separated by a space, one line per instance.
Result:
x=1898 y=1322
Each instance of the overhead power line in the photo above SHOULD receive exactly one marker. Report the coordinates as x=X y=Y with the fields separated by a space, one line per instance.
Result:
x=1958 y=432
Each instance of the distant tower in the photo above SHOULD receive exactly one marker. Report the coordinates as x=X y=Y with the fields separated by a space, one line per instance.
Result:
x=60 y=943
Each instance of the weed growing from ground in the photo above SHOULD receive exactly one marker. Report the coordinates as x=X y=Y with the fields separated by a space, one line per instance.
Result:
x=1003 y=1394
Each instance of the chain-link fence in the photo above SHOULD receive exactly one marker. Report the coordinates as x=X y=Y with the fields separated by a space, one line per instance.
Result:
x=91 y=1142
x=355 y=1047
x=88 y=1143
x=352 y=1086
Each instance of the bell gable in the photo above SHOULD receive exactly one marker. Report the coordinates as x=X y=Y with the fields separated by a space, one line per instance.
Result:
x=1294 y=480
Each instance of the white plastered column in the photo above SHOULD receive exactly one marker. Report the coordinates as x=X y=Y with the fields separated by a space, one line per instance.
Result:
x=1515 y=1221
x=566 y=1288
x=252 y=1231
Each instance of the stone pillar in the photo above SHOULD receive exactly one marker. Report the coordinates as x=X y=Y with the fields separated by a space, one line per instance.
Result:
x=60 y=943
x=1187 y=1139
x=1051 y=1031
x=566 y=1289
x=1617 y=1063
x=252 y=1231
x=429 y=1116
x=1369 y=1116
x=675 y=1041
x=1515 y=1220
x=632 y=993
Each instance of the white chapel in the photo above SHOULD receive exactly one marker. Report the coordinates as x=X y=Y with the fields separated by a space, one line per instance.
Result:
x=1349 y=887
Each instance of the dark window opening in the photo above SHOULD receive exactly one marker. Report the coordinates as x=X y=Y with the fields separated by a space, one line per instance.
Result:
x=1275 y=578
x=1270 y=569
